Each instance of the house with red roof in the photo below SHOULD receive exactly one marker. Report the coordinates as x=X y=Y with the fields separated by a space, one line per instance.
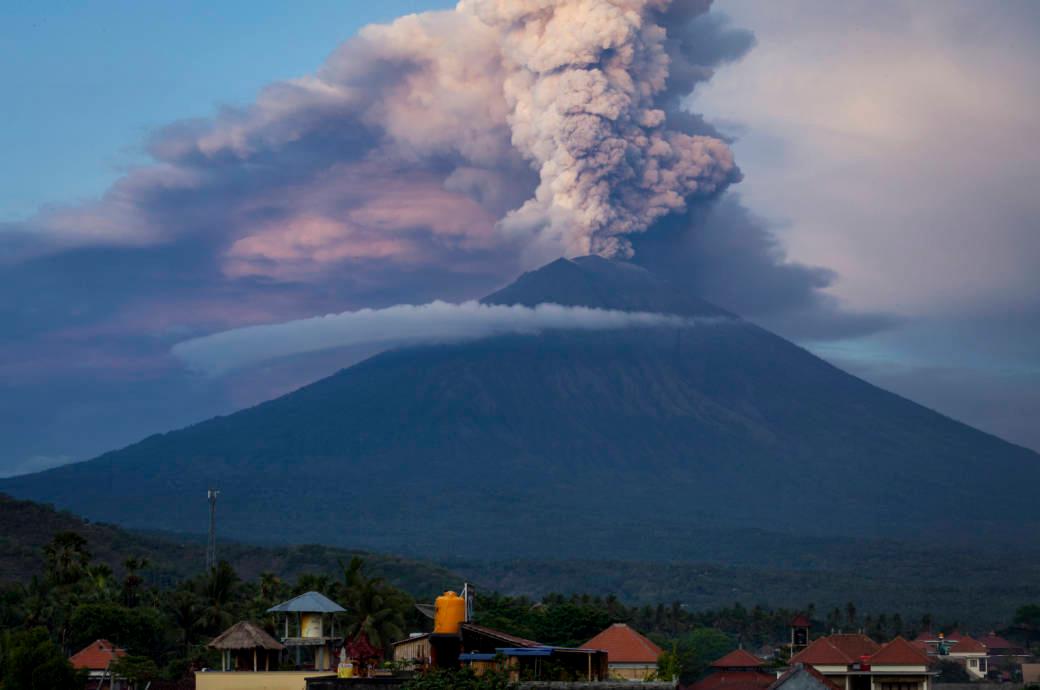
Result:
x=96 y=659
x=802 y=677
x=1004 y=656
x=958 y=647
x=856 y=662
x=738 y=670
x=630 y=655
x=999 y=646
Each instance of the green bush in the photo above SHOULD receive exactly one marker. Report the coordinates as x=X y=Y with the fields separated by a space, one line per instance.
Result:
x=136 y=669
x=32 y=661
x=464 y=679
x=140 y=630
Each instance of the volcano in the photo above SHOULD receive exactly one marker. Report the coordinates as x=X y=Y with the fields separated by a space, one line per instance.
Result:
x=621 y=444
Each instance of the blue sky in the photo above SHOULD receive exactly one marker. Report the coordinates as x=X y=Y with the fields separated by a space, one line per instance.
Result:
x=88 y=81
x=886 y=218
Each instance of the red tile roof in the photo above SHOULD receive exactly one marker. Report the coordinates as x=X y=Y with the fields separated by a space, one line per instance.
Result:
x=994 y=641
x=961 y=644
x=800 y=621
x=734 y=680
x=854 y=645
x=968 y=645
x=822 y=652
x=798 y=669
x=840 y=649
x=624 y=645
x=738 y=658
x=899 y=652
x=96 y=656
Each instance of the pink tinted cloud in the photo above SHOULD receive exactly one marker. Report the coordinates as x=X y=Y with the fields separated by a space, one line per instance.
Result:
x=394 y=220
x=305 y=245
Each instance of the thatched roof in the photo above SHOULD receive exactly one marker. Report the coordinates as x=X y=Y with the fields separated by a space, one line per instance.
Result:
x=245 y=635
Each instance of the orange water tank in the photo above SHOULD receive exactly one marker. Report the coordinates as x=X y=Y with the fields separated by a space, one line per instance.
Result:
x=449 y=614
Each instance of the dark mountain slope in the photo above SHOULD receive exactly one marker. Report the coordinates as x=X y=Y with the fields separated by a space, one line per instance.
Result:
x=972 y=587
x=623 y=444
x=27 y=527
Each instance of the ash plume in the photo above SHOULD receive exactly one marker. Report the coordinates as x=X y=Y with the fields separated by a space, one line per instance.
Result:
x=583 y=81
x=499 y=132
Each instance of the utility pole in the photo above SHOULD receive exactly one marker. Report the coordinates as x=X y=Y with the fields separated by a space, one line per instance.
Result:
x=211 y=545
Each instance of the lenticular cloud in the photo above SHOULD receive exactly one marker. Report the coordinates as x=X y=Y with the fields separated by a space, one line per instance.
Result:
x=435 y=322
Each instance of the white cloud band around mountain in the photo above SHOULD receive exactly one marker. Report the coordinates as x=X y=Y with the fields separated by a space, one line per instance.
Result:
x=437 y=321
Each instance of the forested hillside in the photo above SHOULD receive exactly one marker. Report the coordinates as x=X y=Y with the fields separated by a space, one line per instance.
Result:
x=27 y=527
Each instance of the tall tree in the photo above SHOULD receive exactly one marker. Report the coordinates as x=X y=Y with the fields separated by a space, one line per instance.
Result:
x=218 y=590
x=184 y=609
x=374 y=608
x=133 y=582
x=99 y=583
x=67 y=558
x=314 y=582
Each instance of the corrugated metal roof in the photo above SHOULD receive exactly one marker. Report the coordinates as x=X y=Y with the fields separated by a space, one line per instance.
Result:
x=525 y=651
x=499 y=635
x=308 y=602
x=477 y=656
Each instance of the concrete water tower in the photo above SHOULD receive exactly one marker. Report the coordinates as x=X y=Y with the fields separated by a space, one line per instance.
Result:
x=310 y=629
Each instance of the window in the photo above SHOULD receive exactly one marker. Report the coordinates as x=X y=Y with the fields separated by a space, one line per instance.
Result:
x=974 y=663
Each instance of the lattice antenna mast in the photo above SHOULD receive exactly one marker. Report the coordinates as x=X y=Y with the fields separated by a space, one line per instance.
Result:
x=469 y=595
x=211 y=544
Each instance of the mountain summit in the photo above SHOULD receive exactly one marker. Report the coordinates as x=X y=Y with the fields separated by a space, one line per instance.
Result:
x=592 y=281
x=625 y=444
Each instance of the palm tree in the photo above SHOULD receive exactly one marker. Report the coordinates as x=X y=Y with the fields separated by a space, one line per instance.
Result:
x=132 y=582
x=311 y=582
x=99 y=580
x=270 y=587
x=185 y=610
x=218 y=590
x=374 y=609
x=37 y=603
x=67 y=558
x=270 y=591
x=850 y=613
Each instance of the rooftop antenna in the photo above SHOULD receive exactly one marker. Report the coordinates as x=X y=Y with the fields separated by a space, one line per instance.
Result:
x=469 y=596
x=211 y=545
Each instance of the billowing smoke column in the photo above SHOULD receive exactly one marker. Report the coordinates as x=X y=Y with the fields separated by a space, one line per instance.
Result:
x=582 y=79
x=503 y=132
